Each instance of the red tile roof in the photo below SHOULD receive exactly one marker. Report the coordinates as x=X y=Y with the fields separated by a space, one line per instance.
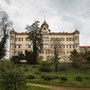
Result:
x=76 y=30
x=52 y=33
x=18 y=33
x=65 y=33
x=84 y=46
x=44 y=23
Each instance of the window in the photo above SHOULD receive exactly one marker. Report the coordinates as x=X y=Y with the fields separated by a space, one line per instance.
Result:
x=76 y=38
x=45 y=39
x=62 y=39
x=19 y=39
x=12 y=45
x=41 y=52
x=70 y=46
x=58 y=46
x=46 y=45
x=47 y=52
x=44 y=32
x=69 y=52
x=27 y=39
x=29 y=45
x=12 y=38
x=18 y=52
x=62 y=52
x=62 y=46
x=52 y=46
x=44 y=28
x=57 y=39
x=76 y=45
x=52 y=39
x=18 y=46
x=70 y=39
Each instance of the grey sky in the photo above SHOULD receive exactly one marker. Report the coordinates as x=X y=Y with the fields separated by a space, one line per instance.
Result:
x=61 y=15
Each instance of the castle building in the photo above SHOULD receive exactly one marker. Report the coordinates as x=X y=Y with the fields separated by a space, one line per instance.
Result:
x=67 y=42
x=82 y=48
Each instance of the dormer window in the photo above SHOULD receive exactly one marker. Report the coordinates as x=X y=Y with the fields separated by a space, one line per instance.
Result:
x=44 y=28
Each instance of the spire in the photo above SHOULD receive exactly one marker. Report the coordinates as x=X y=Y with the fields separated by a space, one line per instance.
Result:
x=44 y=17
x=44 y=23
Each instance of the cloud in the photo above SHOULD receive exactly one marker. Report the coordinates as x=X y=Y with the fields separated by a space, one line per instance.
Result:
x=61 y=15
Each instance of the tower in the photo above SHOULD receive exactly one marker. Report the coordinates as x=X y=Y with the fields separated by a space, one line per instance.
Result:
x=45 y=28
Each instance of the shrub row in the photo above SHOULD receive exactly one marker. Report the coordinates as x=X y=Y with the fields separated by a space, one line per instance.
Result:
x=52 y=77
x=31 y=76
x=49 y=77
x=63 y=78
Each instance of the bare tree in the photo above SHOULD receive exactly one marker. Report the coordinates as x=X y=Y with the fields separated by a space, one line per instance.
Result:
x=4 y=27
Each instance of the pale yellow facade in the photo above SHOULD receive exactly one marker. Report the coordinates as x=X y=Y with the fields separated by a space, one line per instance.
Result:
x=67 y=42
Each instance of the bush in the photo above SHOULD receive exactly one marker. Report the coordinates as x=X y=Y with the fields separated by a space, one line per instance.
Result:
x=86 y=77
x=38 y=73
x=55 y=77
x=35 y=66
x=46 y=77
x=13 y=78
x=29 y=56
x=15 y=59
x=63 y=78
x=42 y=76
x=31 y=76
x=44 y=66
x=26 y=70
x=78 y=78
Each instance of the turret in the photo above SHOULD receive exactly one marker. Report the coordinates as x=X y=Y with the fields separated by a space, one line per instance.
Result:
x=45 y=28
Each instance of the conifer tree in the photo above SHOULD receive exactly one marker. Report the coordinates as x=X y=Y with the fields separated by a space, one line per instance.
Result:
x=34 y=34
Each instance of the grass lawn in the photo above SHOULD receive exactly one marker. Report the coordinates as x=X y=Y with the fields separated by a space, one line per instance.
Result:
x=64 y=70
x=32 y=87
x=68 y=72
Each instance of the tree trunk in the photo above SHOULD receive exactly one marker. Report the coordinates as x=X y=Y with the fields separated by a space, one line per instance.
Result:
x=35 y=52
x=56 y=67
x=15 y=86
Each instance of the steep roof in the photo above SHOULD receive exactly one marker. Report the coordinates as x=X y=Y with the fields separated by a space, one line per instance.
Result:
x=44 y=23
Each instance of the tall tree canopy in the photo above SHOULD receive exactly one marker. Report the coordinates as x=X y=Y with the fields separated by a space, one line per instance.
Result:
x=76 y=58
x=35 y=35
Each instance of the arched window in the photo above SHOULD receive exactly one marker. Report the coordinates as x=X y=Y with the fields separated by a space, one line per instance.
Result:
x=47 y=39
x=44 y=46
x=52 y=46
x=62 y=46
x=71 y=46
x=62 y=39
x=68 y=46
x=47 y=45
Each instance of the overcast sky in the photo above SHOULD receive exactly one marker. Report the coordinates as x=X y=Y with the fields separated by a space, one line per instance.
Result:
x=61 y=15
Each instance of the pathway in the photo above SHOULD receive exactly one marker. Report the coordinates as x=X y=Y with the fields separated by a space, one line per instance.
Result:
x=58 y=88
